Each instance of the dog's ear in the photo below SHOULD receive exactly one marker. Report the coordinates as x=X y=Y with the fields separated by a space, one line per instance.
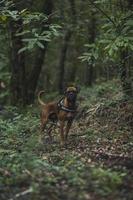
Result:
x=78 y=89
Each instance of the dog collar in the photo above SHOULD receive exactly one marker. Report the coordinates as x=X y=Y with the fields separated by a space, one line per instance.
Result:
x=62 y=107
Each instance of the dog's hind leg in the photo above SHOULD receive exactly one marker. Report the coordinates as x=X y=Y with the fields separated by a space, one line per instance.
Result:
x=49 y=131
x=44 y=121
x=42 y=128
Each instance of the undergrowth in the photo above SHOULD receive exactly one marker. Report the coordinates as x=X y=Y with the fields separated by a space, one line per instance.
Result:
x=96 y=164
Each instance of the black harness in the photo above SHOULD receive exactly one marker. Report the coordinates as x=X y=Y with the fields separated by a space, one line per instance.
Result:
x=61 y=106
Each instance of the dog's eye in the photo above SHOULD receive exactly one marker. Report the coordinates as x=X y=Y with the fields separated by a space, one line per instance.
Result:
x=71 y=92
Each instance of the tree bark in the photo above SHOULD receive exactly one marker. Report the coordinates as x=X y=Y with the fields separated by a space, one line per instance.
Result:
x=73 y=72
x=18 y=82
x=91 y=39
x=65 y=45
x=18 y=78
x=74 y=26
x=73 y=11
x=125 y=74
x=40 y=56
x=63 y=53
x=130 y=4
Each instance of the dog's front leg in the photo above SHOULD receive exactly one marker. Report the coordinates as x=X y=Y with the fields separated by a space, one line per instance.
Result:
x=68 y=126
x=62 y=123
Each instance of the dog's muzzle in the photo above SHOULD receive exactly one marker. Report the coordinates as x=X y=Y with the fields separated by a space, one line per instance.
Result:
x=71 y=96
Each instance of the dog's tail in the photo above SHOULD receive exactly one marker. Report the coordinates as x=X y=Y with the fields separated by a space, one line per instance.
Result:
x=39 y=98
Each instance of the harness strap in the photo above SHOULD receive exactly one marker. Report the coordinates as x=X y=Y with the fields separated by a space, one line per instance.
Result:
x=62 y=107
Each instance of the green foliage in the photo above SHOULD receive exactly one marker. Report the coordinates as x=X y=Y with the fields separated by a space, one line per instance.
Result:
x=92 y=55
x=13 y=129
x=106 y=180
x=115 y=34
x=4 y=71
x=37 y=39
x=115 y=38
x=48 y=171
x=100 y=92
x=33 y=34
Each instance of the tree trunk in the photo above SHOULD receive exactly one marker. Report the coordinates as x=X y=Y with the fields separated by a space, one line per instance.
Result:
x=73 y=72
x=125 y=75
x=89 y=75
x=18 y=82
x=73 y=11
x=130 y=4
x=91 y=38
x=40 y=56
x=18 y=79
x=63 y=53
x=74 y=26
x=65 y=46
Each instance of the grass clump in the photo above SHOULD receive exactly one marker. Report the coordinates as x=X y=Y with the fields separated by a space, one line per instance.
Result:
x=106 y=181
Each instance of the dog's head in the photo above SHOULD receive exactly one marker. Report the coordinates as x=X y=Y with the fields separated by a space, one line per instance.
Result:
x=71 y=93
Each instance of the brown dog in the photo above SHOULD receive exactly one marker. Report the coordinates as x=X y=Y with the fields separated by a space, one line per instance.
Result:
x=62 y=111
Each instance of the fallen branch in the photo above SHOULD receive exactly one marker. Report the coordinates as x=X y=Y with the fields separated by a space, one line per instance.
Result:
x=30 y=190
x=117 y=159
x=83 y=112
x=93 y=110
x=114 y=156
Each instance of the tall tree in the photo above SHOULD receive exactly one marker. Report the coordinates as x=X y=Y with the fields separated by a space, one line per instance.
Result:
x=65 y=45
x=63 y=52
x=91 y=39
x=40 y=55
x=74 y=28
x=125 y=73
x=18 y=79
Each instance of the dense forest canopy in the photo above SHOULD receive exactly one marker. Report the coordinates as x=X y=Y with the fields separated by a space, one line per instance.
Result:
x=48 y=44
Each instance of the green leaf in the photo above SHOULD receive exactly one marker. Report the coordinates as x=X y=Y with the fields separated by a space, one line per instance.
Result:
x=129 y=22
x=40 y=45
x=22 y=33
x=129 y=38
x=22 y=50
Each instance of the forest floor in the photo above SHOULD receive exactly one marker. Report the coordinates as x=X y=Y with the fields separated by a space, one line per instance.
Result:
x=96 y=165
